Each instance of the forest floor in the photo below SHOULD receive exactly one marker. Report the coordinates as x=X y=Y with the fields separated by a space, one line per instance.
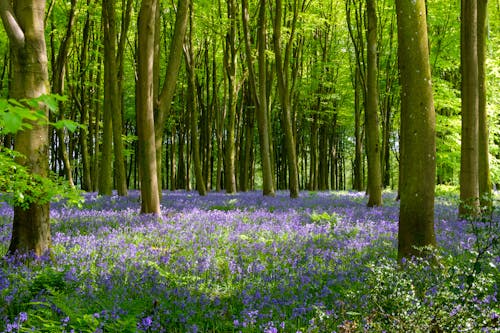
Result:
x=246 y=263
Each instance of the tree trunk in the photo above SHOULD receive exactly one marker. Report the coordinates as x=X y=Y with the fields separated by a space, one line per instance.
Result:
x=25 y=27
x=282 y=64
x=358 y=134
x=168 y=89
x=58 y=77
x=469 y=177
x=84 y=110
x=258 y=92
x=192 y=106
x=230 y=66
x=418 y=148
x=485 y=191
x=111 y=96
x=371 y=112
x=150 y=198
x=106 y=163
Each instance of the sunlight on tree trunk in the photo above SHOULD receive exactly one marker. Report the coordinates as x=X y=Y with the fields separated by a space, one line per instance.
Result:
x=25 y=27
x=418 y=148
x=150 y=199
x=469 y=173
x=371 y=112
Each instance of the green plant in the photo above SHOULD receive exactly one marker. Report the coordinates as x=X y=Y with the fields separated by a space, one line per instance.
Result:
x=19 y=185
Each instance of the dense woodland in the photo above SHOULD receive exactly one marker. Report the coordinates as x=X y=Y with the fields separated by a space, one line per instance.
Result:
x=324 y=72
x=243 y=95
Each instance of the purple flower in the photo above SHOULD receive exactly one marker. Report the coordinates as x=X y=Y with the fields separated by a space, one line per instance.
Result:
x=145 y=323
x=23 y=316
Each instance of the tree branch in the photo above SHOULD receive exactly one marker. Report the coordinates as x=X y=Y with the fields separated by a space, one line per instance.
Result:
x=14 y=31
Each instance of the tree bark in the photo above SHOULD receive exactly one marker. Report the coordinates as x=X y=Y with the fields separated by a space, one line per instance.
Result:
x=150 y=199
x=58 y=78
x=282 y=63
x=84 y=110
x=230 y=66
x=258 y=91
x=418 y=148
x=168 y=89
x=358 y=134
x=25 y=26
x=371 y=112
x=485 y=190
x=112 y=98
x=469 y=176
x=192 y=106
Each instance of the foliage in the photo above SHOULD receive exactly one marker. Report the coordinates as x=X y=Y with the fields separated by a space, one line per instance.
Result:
x=19 y=185
x=323 y=262
x=21 y=188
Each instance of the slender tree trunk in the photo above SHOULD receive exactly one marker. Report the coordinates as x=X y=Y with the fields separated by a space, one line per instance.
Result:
x=258 y=92
x=25 y=27
x=95 y=127
x=106 y=163
x=86 y=177
x=58 y=78
x=485 y=191
x=231 y=64
x=313 y=172
x=358 y=136
x=418 y=148
x=371 y=113
x=150 y=198
x=284 y=94
x=469 y=176
x=111 y=96
x=192 y=107
x=168 y=89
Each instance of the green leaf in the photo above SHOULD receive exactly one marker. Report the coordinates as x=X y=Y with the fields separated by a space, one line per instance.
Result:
x=68 y=124
x=12 y=122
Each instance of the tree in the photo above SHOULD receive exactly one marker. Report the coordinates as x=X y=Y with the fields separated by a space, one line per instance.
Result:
x=193 y=107
x=150 y=197
x=371 y=112
x=483 y=139
x=168 y=89
x=417 y=143
x=282 y=62
x=231 y=58
x=112 y=109
x=469 y=172
x=359 y=83
x=258 y=91
x=58 y=77
x=25 y=27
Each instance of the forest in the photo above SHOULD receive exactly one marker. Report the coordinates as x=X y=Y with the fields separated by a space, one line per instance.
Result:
x=249 y=166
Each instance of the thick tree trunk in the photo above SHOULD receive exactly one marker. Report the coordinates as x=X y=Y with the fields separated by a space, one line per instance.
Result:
x=418 y=148
x=371 y=112
x=150 y=199
x=25 y=27
x=469 y=176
